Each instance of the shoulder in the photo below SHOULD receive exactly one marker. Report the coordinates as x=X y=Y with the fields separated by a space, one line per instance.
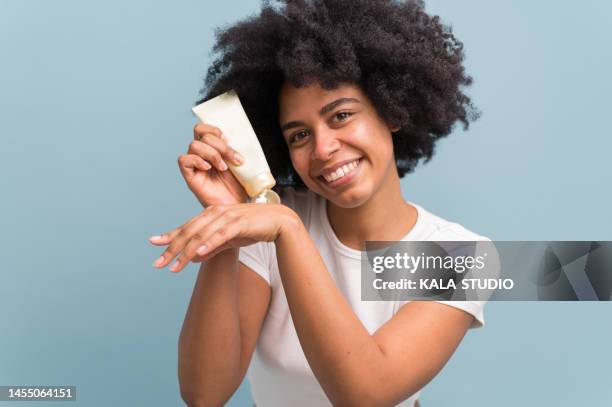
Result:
x=437 y=228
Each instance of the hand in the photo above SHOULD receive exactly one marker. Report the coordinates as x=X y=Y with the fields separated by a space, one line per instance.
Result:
x=205 y=170
x=223 y=227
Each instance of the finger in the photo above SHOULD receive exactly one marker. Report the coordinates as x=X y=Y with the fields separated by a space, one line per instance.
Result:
x=168 y=239
x=219 y=241
x=190 y=162
x=220 y=230
x=198 y=259
x=202 y=128
x=188 y=232
x=164 y=238
x=213 y=253
x=221 y=145
x=208 y=153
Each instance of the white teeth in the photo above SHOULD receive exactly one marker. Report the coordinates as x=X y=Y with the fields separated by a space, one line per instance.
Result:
x=341 y=172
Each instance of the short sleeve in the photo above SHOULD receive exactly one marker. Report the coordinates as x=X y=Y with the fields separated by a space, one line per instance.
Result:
x=257 y=258
x=474 y=308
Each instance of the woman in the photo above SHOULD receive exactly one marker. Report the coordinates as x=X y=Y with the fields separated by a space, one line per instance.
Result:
x=346 y=97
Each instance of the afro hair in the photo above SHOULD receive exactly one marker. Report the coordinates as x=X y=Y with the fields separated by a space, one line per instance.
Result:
x=408 y=63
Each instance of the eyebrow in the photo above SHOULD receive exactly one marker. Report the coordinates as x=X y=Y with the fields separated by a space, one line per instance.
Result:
x=325 y=109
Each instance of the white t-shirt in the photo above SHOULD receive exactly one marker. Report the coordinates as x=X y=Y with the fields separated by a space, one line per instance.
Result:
x=279 y=373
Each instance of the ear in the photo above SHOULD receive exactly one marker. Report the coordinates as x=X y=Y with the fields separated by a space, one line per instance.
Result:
x=393 y=128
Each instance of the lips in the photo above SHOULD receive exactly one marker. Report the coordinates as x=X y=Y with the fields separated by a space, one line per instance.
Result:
x=340 y=171
x=333 y=168
x=341 y=175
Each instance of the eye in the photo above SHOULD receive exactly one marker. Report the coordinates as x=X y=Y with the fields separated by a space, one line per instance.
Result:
x=297 y=137
x=342 y=116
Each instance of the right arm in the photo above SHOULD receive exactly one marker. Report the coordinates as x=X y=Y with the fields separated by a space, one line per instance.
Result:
x=229 y=301
x=220 y=331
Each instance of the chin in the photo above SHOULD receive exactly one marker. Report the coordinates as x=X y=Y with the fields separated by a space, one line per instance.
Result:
x=351 y=198
x=347 y=205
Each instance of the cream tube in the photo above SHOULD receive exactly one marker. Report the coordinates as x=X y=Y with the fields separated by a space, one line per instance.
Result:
x=225 y=112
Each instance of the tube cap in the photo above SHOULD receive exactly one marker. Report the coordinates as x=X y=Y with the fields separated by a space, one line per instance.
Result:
x=259 y=183
x=267 y=197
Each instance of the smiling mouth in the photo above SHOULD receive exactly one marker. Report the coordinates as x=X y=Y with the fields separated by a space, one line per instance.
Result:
x=342 y=173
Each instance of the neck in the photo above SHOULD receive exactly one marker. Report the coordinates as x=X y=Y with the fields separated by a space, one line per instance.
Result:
x=385 y=216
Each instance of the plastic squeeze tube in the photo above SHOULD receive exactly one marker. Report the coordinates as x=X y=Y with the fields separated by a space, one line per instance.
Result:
x=225 y=112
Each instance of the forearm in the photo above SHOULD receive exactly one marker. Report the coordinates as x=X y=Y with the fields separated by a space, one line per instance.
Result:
x=209 y=343
x=344 y=357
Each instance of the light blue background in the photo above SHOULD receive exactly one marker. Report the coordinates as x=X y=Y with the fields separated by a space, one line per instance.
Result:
x=95 y=104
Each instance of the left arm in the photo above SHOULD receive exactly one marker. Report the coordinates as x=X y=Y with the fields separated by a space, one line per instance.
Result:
x=353 y=367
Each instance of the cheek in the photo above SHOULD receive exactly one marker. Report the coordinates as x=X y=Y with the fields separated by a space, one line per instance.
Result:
x=299 y=160
x=376 y=142
x=386 y=146
x=369 y=133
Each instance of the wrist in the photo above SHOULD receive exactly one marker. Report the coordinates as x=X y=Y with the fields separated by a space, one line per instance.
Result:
x=290 y=222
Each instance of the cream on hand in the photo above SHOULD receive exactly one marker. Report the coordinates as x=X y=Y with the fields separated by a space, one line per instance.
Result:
x=225 y=112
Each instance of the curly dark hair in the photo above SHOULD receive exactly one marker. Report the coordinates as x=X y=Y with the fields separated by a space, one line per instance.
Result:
x=408 y=63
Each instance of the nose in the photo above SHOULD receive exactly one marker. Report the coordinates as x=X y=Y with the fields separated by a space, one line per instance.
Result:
x=326 y=144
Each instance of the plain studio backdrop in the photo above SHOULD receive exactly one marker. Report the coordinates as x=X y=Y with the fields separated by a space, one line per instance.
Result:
x=95 y=102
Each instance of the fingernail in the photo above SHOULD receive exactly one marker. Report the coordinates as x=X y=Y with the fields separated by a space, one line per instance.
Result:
x=207 y=165
x=223 y=165
x=159 y=262
x=158 y=237
x=238 y=158
x=201 y=250
x=175 y=266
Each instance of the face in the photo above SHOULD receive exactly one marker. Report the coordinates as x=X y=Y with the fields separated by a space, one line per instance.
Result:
x=339 y=146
